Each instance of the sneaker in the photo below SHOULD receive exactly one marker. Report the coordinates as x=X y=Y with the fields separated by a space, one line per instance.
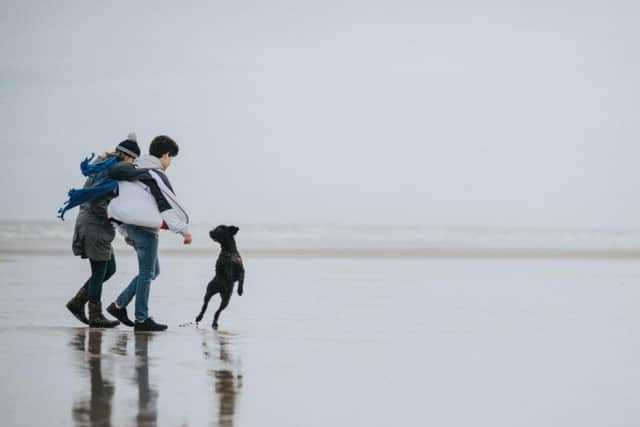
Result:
x=119 y=313
x=149 y=325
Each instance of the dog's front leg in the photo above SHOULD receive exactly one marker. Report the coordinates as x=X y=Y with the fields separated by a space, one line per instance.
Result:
x=241 y=282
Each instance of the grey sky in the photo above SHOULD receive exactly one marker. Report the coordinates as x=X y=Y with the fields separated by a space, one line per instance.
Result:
x=447 y=113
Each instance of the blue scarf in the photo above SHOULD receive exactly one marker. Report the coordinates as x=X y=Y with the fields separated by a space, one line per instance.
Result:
x=102 y=184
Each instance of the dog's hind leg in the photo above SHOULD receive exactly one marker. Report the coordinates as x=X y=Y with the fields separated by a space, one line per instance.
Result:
x=207 y=297
x=223 y=304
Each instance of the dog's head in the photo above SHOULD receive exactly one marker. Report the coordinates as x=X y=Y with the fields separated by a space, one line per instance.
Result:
x=223 y=233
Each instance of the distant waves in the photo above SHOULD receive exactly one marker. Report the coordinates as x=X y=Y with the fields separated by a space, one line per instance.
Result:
x=348 y=240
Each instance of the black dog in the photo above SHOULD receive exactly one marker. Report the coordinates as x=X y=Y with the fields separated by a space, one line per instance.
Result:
x=229 y=269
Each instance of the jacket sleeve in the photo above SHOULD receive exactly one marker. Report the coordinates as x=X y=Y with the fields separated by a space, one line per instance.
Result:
x=174 y=221
x=124 y=171
x=175 y=217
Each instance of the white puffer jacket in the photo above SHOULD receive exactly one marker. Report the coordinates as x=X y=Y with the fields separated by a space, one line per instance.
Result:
x=136 y=205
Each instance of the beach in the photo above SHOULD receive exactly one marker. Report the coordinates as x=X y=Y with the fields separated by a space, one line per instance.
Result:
x=437 y=206
x=328 y=340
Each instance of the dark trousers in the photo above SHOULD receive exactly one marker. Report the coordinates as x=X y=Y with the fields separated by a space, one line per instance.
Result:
x=101 y=271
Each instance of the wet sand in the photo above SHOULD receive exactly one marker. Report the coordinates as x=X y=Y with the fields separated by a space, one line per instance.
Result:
x=331 y=341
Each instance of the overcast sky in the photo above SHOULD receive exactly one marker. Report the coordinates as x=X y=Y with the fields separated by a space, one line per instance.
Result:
x=378 y=112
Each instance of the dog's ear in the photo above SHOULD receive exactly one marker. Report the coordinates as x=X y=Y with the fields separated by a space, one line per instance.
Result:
x=234 y=230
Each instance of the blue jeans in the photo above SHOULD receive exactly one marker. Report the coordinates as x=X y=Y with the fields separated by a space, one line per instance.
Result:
x=146 y=245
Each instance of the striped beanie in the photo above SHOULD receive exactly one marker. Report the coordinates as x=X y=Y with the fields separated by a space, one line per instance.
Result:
x=129 y=146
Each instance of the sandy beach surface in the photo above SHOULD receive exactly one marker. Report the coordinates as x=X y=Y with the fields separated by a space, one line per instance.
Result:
x=340 y=341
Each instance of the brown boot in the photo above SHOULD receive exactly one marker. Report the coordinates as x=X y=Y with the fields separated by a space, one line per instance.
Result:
x=97 y=320
x=76 y=305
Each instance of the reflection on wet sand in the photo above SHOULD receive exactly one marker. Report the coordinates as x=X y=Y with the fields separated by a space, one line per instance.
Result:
x=147 y=396
x=228 y=379
x=120 y=346
x=101 y=354
x=96 y=409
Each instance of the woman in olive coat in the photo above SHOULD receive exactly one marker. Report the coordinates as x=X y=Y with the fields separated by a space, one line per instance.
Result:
x=92 y=239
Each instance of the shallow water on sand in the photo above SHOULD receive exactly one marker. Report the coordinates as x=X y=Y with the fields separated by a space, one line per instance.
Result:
x=317 y=342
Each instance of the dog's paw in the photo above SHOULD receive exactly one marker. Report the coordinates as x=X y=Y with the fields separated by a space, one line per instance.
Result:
x=198 y=319
x=240 y=291
x=215 y=326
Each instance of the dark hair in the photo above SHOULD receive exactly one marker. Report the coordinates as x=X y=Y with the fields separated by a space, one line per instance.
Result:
x=162 y=145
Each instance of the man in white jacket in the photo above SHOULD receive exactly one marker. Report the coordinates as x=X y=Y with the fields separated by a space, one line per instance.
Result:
x=143 y=207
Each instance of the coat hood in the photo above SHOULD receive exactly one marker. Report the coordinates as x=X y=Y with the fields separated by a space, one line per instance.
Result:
x=148 y=161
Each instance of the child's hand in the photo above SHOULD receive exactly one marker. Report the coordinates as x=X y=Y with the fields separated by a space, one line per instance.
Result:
x=187 y=239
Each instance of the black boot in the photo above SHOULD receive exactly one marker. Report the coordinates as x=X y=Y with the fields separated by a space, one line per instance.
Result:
x=149 y=325
x=77 y=303
x=97 y=320
x=119 y=313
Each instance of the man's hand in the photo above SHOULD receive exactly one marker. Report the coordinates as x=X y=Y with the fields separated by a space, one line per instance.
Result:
x=187 y=239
